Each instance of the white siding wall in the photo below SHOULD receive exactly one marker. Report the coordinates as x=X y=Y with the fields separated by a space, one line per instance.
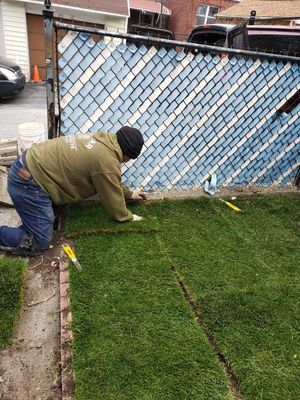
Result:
x=15 y=34
x=111 y=23
x=2 y=47
x=115 y=24
x=61 y=12
x=15 y=39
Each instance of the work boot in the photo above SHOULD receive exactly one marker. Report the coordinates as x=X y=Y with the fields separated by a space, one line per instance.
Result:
x=57 y=215
x=27 y=247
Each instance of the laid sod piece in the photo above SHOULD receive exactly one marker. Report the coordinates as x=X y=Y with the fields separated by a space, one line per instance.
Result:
x=11 y=279
x=243 y=272
x=135 y=336
x=90 y=216
x=109 y=231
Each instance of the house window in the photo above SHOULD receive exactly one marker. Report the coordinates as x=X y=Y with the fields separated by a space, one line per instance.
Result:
x=146 y=18
x=206 y=15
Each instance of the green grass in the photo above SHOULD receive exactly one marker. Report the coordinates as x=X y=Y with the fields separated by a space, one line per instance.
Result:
x=136 y=336
x=11 y=280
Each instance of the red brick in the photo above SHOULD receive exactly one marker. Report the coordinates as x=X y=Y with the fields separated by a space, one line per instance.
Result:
x=183 y=18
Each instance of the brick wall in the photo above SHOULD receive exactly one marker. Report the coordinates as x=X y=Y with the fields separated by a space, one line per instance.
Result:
x=183 y=17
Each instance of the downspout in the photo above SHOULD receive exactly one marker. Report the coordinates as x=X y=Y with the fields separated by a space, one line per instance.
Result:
x=48 y=30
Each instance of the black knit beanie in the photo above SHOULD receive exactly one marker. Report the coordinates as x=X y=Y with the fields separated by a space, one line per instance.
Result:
x=131 y=141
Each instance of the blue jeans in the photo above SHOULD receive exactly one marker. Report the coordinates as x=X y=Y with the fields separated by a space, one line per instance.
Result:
x=34 y=207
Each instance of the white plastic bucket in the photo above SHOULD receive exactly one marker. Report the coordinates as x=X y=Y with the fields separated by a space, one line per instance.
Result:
x=30 y=133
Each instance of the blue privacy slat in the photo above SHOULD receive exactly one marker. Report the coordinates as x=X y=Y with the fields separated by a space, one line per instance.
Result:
x=207 y=117
x=276 y=147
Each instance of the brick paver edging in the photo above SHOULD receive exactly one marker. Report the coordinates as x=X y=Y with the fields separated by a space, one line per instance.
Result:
x=67 y=374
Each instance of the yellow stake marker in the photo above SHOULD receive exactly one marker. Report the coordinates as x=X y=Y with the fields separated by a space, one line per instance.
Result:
x=71 y=255
x=235 y=208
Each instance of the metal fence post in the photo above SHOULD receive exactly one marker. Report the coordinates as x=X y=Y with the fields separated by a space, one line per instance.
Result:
x=297 y=180
x=48 y=31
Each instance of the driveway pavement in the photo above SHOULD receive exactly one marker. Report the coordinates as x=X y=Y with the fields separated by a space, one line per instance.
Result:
x=30 y=368
x=29 y=106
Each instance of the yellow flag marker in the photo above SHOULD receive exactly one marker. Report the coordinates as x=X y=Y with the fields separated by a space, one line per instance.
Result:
x=235 y=208
x=71 y=255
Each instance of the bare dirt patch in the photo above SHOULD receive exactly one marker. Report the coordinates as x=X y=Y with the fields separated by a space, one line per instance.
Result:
x=223 y=191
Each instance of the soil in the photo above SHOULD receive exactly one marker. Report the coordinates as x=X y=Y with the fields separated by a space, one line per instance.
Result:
x=30 y=367
x=223 y=191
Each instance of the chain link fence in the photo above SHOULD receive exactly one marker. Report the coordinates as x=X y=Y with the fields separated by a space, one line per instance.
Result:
x=201 y=110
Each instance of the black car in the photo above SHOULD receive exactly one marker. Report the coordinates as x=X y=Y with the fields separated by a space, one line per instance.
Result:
x=12 y=79
x=151 y=32
x=275 y=39
x=220 y=35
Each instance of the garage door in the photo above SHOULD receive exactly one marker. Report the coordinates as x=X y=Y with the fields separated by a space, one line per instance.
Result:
x=36 y=41
x=36 y=44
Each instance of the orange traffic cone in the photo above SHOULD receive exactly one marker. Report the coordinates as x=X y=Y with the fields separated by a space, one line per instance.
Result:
x=36 y=75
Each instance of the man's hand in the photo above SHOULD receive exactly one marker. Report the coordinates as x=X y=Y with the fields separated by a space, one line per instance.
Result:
x=136 y=217
x=138 y=195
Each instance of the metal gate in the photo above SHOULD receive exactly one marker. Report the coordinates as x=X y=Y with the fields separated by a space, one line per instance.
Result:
x=201 y=110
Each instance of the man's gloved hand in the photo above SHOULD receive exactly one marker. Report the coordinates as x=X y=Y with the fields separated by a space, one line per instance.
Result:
x=138 y=195
x=136 y=217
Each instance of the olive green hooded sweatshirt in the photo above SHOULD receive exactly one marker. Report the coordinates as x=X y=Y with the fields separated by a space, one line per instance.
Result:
x=73 y=168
